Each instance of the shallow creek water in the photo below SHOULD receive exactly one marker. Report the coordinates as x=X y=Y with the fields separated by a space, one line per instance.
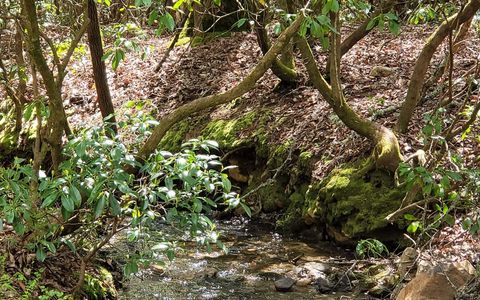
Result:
x=257 y=257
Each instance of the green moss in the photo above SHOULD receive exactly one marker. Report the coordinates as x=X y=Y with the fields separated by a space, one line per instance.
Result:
x=340 y=180
x=197 y=41
x=174 y=138
x=301 y=206
x=304 y=159
x=182 y=41
x=228 y=132
x=100 y=285
x=246 y=129
x=263 y=147
x=186 y=27
x=278 y=154
x=356 y=206
x=273 y=197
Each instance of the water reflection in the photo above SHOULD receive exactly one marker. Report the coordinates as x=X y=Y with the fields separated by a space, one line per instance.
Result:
x=257 y=257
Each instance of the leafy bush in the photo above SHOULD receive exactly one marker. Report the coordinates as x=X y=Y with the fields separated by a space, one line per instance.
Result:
x=93 y=190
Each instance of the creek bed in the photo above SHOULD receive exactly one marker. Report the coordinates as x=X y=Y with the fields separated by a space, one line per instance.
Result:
x=257 y=257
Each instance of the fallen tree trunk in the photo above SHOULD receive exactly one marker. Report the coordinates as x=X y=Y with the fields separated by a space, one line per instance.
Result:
x=214 y=100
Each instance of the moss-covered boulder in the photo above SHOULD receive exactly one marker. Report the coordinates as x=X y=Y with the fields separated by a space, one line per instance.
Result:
x=350 y=206
x=174 y=138
x=244 y=140
x=296 y=216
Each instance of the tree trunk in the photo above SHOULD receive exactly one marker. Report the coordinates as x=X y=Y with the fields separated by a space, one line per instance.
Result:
x=386 y=154
x=457 y=43
x=423 y=61
x=57 y=120
x=361 y=31
x=283 y=68
x=214 y=100
x=20 y=60
x=22 y=84
x=99 y=71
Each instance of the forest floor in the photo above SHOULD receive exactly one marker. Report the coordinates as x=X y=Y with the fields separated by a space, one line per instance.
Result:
x=221 y=63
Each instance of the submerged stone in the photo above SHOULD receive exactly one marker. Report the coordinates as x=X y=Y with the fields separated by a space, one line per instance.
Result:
x=323 y=285
x=285 y=284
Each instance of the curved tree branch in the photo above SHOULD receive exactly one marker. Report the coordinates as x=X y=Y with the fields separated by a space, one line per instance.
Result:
x=279 y=68
x=386 y=154
x=211 y=101
x=423 y=61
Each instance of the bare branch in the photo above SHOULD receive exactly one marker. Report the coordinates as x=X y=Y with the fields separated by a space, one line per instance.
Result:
x=71 y=49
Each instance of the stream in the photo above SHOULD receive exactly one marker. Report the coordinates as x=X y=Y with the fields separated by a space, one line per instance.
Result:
x=257 y=257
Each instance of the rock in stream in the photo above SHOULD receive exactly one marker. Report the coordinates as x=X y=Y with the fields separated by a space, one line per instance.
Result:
x=285 y=284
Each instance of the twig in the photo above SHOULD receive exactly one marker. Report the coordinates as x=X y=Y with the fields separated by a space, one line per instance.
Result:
x=71 y=49
x=393 y=216
x=173 y=42
x=56 y=59
x=90 y=255
x=450 y=132
x=345 y=274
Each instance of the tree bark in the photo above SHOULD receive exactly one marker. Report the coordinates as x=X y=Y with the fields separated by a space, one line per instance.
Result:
x=57 y=120
x=423 y=61
x=361 y=31
x=457 y=43
x=279 y=68
x=283 y=68
x=99 y=71
x=214 y=100
x=20 y=60
x=386 y=154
